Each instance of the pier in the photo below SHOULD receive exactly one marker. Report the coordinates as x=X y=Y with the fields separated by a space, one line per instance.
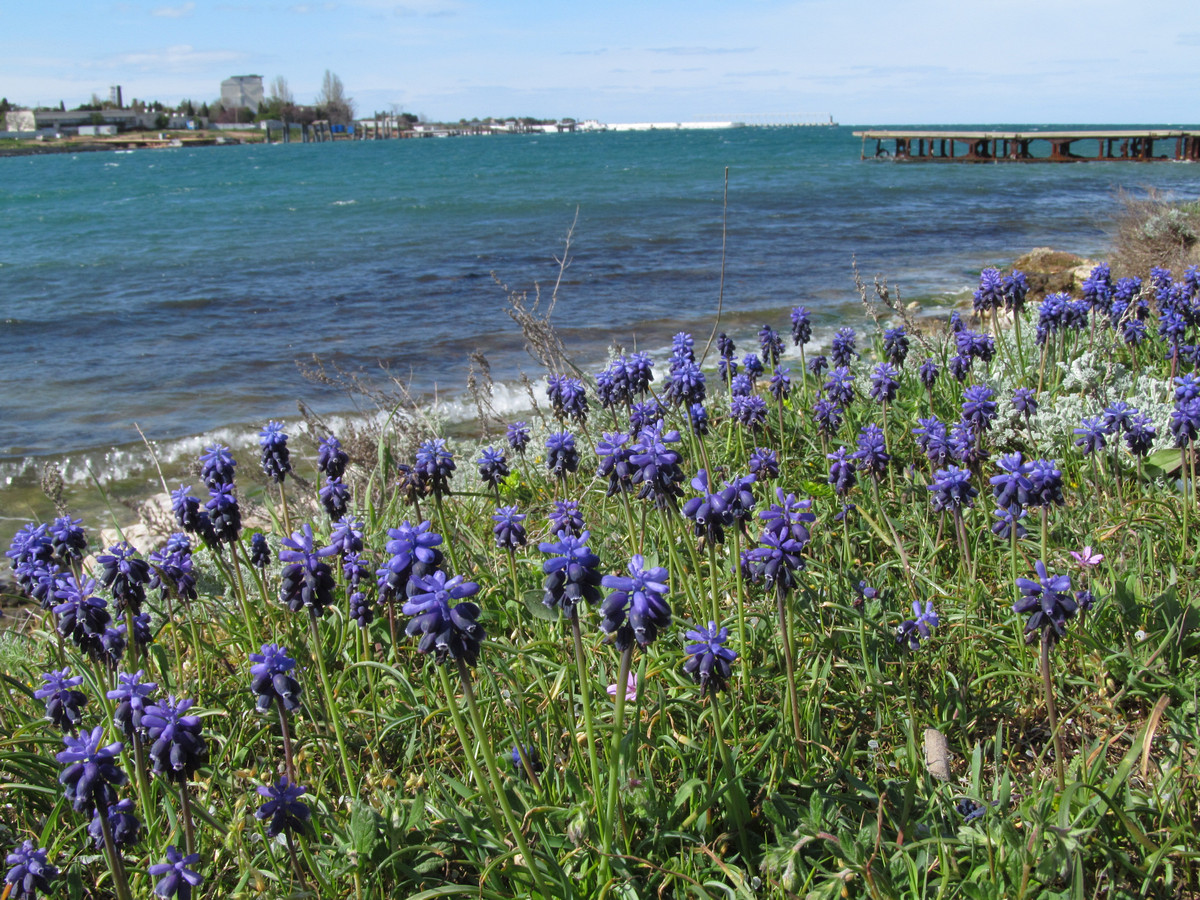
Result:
x=1032 y=146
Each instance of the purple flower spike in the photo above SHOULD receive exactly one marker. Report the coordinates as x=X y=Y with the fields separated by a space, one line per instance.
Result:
x=276 y=460
x=178 y=880
x=912 y=631
x=91 y=771
x=286 y=811
x=636 y=610
x=448 y=632
x=709 y=660
x=30 y=873
x=1048 y=602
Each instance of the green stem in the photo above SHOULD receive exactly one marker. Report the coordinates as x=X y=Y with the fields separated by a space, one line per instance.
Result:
x=116 y=866
x=1052 y=711
x=793 y=700
x=740 y=807
x=585 y=698
x=330 y=707
x=614 y=760
x=460 y=727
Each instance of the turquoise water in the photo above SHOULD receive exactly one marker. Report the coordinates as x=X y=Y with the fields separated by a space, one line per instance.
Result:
x=177 y=288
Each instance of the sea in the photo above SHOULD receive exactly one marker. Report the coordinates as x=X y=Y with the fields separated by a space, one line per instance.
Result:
x=176 y=293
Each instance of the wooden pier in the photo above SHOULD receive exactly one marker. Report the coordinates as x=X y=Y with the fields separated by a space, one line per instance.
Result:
x=1032 y=146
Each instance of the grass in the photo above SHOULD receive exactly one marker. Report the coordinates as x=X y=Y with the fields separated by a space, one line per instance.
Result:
x=407 y=763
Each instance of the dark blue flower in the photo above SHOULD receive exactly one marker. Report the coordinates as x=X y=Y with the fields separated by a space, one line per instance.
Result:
x=990 y=294
x=872 y=456
x=801 y=326
x=331 y=458
x=978 y=407
x=177 y=748
x=270 y=679
x=749 y=411
x=912 y=631
x=186 y=509
x=951 y=490
x=1140 y=435
x=434 y=466
x=414 y=551
x=708 y=659
x=286 y=811
x=960 y=367
x=133 y=696
x=30 y=873
x=726 y=369
x=698 y=419
x=346 y=537
x=91 y=771
x=217 y=465
x=637 y=609
x=178 y=880
x=448 y=632
x=123 y=825
x=1097 y=288
x=683 y=347
x=1048 y=602
x=708 y=512
x=561 y=456
x=1091 y=435
x=508 y=530
x=788 y=517
x=884 y=383
x=517 y=436
x=738 y=497
x=568 y=398
x=777 y=560
x=224 y=513
x=725 y=346
x=1185 y=421
x=82 y=617
x=173 y=569
x=842 y=471
x=1007 y=519
x=361 y=610
x=307 y=581
x=1024 y=402
x=933 y=439
x=614 y=462
x=572 y=573
x=965 y=445
x=771 y=344
x=828 y=416
x=565 y=516
x=335 y=497
x=1012 y=486
x=895 y=346
x=816 y=365
x=753 y=366
x=656 y=466
x=1117 y=417
x=260 y=553
x=645 y=414
x=764 y=463
x=126 y=575
x=685 y=385
x=928 y=373
x=68 y=539
x=1046 y=480
x=840 y=386
x=741 y=385
x=64 y=704
x=1016 y=288
x=276 y=460
x=842 y=349
x=781 y=383
x=531 y=755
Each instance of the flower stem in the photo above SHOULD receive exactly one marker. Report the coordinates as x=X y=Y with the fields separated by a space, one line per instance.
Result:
x=586 y=700
x=1052 y=711
x=614 y=760
x=793 y=700
x=485 y=790
x=740 y=811
x=330 y=707
x=116 y=866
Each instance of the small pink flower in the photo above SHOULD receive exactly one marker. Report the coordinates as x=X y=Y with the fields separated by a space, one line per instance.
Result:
x=1086 y=558
x=630 y=688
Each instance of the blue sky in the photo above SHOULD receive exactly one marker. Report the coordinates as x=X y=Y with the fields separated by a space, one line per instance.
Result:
x=904 y=61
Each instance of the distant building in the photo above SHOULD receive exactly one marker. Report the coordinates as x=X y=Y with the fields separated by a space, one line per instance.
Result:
x=242 y=91
x=114 y=96
x=53 y=121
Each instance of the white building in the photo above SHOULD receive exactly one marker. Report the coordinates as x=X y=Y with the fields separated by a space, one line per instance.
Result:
x=242 y=91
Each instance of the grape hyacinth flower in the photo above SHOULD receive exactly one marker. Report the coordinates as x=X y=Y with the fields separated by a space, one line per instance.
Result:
x=68 y=539
x=434 y=466
x=753 y=366
x=448 y=632
x=307 y=581
x=335 y=497
x=508 y=530
x=707 y=512
x=561 y=456
x=698 y=419
x=173 y=568
x=346 y=537
x=1048 y=602
x=1185 y=422
x=912 y=631
x=1024 y=403
x=224 y=513
x=276 y=460
x=81 y=616
x=1139 y=437
x=656 y=466
x=933 y=440
x=568 y=398
x=840 y=386
x=636 y=610
x=284 y=808
x=801 y=326
x=125 y=575
x=1012 y=486
x=260 y=553
x=780 y=385
x=177 y=748
x=414 y=551
x=186 y=509
x=178 y=880
x=614 y=462
x=951 y=490
x=270 y=679
x=64 y=704
x=871 y=457
x=884 y=383
x=565 y=516
x=895 y=346
x=738 y=496
x=828 y=416
x=217 y=466
x=91 y=771
x=1117 y=417
x=727 y=368
x=646 y=414
x=990 y=294
x=1009 y=521
x=1016 y=288
x=978 y=407
x=124 y=826
x=725 y=346
x=842 y=349
x=685 y=385
x=817 y=365
x=928 y=373
x=842 y=471
x=683 y=347
x=572 y=573
x=331 y=458
x=133 y=697
x=1047 y=483
x=771 y=344
x=741 y=385
x=517 y=436
x=965 y=445
x=960 y=367
x=30 y=873
x=776 y=561
x=1091 y=435
x=788 y=517
x=530 y=753
x=749 y=411
x=708 y=659
x=763 y=463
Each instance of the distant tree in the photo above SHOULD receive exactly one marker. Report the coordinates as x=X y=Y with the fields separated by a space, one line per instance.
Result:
x=161 y=121
x=62 y=107
x=279 y=103
x=204 y=112
x=332 y=102
x=187 y=108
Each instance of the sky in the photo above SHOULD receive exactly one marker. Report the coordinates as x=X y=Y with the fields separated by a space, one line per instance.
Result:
x=859 y=61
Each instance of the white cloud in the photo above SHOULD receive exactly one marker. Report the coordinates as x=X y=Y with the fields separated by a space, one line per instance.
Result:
x=174 y=12
x=177 y=58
